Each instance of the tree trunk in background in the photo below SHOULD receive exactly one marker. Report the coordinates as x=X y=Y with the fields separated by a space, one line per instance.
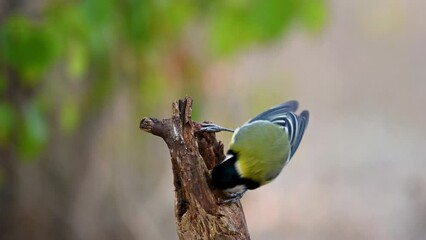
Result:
x=7 y=193
x=8 y=168
x=199 y=215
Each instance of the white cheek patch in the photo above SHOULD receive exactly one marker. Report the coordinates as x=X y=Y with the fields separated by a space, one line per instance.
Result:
x=227 y=157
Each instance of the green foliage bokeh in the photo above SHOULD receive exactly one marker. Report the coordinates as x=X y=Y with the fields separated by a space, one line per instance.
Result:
x=90 y=42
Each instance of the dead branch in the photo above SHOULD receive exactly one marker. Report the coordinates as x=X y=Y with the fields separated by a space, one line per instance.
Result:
x=198 y=211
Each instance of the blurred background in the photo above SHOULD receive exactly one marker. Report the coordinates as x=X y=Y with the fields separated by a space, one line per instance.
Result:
x=77 y=76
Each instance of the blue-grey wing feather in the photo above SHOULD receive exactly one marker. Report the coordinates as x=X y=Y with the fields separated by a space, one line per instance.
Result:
x=290 y=106
x=284 y=115
x=303 y=120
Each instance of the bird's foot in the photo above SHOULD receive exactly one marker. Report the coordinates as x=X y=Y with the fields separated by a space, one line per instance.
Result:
x=233 y=197
x=211 y=127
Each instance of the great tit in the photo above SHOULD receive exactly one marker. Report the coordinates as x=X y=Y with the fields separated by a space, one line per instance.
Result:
x=259 y=149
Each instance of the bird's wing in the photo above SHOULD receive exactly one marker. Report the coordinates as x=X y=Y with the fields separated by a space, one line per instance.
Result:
x=302 y=122
x=284 y=116
x=274 y=112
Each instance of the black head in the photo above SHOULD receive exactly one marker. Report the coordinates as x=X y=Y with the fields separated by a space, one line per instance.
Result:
x=225 y=175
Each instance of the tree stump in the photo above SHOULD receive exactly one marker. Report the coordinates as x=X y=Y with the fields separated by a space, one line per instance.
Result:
x=199 y=211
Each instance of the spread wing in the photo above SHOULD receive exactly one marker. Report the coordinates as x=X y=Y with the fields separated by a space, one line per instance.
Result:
x=284 y=115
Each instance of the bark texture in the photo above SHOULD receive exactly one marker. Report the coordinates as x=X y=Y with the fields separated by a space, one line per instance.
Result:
x=198 y=209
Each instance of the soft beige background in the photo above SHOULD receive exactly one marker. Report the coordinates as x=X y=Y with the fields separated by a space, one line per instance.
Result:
x=358 y=173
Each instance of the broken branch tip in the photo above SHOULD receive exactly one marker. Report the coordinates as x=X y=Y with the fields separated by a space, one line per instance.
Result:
x=146 y=124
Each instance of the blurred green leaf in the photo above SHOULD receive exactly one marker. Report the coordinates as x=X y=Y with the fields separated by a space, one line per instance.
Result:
x=33 y=132
x=7 y=122
x=177 y=14
x=68 y=23
x=69 y=116
x=77 y=60
x=98 y=16
x=235 y=25
x=152 y=89
x=28 y=47
x=137 y=20
x=314 y=14
x=269 y=19
x=228 y=30
x=238 y=24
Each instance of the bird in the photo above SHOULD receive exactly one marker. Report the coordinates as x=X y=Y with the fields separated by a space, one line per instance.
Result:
x=259 y=149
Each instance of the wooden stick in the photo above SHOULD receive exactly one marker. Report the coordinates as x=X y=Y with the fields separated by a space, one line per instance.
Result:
x=198 y=210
